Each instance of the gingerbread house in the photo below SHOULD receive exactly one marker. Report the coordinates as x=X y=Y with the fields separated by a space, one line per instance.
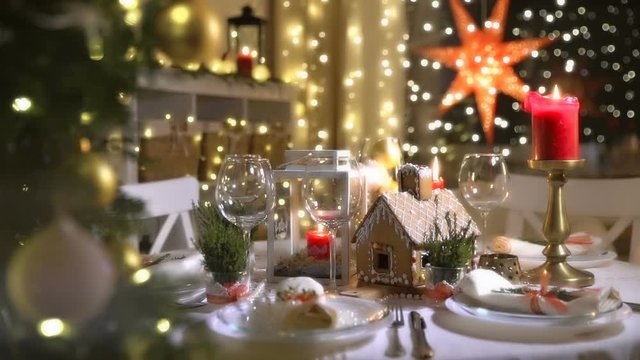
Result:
x=389 y=239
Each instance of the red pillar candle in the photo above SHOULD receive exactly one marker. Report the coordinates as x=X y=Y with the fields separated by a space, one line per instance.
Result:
x=244 y=62
x=318 y=243
x=554 y=126
x=438 y=181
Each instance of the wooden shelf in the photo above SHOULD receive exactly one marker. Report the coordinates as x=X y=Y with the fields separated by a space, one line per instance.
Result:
x=171 y=80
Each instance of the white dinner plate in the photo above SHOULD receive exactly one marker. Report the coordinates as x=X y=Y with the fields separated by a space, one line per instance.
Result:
x=464 y=306
x=579 y=261
x=357 y=319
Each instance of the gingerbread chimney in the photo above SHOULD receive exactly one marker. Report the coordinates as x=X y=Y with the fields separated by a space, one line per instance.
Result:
x=416 y=180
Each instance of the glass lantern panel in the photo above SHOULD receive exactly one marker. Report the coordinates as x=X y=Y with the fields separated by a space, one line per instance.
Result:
x=247 y=36
x=301 y=246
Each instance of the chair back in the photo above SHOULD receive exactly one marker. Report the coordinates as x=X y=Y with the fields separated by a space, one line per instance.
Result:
x=609 y=199
x=172 y=199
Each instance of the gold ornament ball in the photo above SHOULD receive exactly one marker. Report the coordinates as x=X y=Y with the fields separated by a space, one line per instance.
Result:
x=86 y=181
x=260 y=73
x=183 y=31
x=61 y=272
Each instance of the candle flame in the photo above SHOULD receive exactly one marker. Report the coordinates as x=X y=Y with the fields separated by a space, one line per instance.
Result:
x=245 y=50
x=436 y=169
x=556 y=92
x=320 y=227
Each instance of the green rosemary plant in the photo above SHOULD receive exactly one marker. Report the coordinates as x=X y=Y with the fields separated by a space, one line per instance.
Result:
x=220 y=242
x=453 y=248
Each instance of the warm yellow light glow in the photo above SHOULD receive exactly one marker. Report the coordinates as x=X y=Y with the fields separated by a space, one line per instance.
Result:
x=232 y=122
x=180 y=14
x=281 y=202
x=204 y=187
x=86 y=118
x=129 y=4
x=133 y=17
x=148 y=132
x=286 y=184
x=261 y=73
x=220 y=148
x=51 y=327
x=262 y=129
x=302 y=122
x=323 y=134
x=556 y=92
x=163 y=325
x=21 y=104
x=301 y=213
x=141 y=276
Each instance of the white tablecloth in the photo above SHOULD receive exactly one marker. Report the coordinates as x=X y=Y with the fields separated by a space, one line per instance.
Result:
x=456 y=337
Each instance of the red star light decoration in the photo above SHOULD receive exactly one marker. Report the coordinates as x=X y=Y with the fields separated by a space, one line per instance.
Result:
x=484 y=62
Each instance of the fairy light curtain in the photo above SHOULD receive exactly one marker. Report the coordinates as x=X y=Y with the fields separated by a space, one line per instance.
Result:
x=348 y=59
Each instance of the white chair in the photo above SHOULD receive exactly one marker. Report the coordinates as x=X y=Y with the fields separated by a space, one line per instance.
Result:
x=617 y=200
x=172 y=199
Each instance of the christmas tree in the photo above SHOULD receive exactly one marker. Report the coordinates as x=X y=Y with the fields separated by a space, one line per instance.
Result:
x=69 y=71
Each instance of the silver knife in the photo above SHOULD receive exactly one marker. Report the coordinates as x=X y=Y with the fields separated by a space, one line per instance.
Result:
x=421 y=348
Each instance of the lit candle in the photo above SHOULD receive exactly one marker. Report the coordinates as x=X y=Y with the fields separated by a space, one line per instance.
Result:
x=318 y=243
x=554 y=126
x=244 y=62
x=438 y=181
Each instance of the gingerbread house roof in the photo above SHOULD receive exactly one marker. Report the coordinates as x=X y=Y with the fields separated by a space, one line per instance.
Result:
x=413 y=218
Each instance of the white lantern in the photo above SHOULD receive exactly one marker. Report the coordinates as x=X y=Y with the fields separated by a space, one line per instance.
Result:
x=292 y=251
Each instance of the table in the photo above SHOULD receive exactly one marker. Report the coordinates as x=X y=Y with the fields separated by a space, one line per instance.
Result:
x=454 y=337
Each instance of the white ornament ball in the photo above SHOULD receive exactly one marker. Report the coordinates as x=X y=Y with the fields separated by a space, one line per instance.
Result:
x=62 y=272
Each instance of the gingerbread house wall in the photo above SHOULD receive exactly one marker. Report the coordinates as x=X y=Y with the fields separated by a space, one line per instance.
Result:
x=384 y=235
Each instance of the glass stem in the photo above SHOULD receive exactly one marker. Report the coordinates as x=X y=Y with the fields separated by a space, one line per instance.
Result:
x=333 y=287
x=246 y=237
x=481 y=248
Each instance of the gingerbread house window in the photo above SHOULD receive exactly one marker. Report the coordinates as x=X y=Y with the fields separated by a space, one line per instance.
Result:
x=425 y=260
x=382 y=261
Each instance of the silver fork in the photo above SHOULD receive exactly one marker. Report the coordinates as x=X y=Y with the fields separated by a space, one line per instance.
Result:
x=395 y=348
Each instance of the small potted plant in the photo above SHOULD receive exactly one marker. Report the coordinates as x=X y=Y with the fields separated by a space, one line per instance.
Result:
x=449 y=253
x=225 y=255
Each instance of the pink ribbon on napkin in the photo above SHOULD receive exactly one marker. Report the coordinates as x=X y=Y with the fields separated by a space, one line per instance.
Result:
x=543 y=292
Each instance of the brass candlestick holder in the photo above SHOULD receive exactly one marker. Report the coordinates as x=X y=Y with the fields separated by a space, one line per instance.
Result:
x=556 y=228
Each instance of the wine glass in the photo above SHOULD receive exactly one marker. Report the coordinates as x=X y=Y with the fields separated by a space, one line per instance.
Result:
x=483 y=182
x=332 y=201
x=244 y=194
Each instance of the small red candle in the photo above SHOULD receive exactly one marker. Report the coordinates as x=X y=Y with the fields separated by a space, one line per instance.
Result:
x=554 y=126
x=438 y=181
x=318 y=243
x=244 y=62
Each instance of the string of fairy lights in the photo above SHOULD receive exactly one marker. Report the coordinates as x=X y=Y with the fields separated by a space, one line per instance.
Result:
x=594 y=58
x=311 y=49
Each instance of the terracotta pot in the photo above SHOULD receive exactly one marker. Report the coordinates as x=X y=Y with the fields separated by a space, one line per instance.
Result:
x=450 y=275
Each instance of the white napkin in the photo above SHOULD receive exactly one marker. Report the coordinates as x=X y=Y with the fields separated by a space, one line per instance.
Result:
x=493 y=291
x=577 y=243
